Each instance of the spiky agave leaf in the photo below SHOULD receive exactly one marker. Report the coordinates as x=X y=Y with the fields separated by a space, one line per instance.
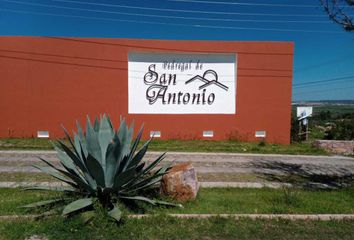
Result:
x=114 y=155
x=96 y=170
x=105 y=136
x=77 y=205
x=66 y=176
x=152 y=201
x=104 y=165
x=92 y=142
x=115 y=213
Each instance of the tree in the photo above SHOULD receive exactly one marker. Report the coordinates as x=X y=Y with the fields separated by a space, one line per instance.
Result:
x=342 y=129
x=338 y=11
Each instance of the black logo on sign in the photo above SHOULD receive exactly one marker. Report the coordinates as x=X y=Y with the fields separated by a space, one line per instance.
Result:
x=161 y=87
x=211 y=74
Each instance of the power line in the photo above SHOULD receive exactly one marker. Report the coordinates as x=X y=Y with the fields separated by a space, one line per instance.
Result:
x=332 y=61
x=61 y=56
x=321 y=81
x=165 y=48
x=326 y=90
x=75 y=64
x=252 y=4
x=63 y=63
x=171 y=24
x=247 y=4
x=189 y=11
x=165 y=16
x=101 y=66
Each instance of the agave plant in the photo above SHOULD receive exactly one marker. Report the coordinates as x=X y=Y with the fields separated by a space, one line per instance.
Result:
x=102 y=166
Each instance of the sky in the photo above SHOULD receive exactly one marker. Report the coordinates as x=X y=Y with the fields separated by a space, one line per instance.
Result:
x=324 y=52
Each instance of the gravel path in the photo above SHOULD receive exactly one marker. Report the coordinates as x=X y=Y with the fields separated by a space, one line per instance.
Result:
x=22 y=161
x=261 y=170
x=200 y=157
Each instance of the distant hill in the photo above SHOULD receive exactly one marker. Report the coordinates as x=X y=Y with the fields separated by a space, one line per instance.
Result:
x=324 y=102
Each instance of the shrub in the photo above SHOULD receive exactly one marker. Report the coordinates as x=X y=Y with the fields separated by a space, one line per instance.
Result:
x=102 y=168
x=341 y=130
x=294 y=134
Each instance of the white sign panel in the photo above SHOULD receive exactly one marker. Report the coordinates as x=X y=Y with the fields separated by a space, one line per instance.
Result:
x=303 y=111
x=173 y=83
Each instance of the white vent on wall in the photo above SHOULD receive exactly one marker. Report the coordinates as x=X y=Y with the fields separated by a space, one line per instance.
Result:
x=42 y=134
x=208 y=133
x=156 y=134
x=260 y=134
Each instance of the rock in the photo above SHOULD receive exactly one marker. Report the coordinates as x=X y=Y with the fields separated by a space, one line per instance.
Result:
x=181 y=182
x=336 y=146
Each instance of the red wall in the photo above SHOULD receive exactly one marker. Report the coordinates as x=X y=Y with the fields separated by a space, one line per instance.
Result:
x=47 y=81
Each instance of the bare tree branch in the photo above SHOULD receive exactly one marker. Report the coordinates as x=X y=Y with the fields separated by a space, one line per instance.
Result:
x=337 y=11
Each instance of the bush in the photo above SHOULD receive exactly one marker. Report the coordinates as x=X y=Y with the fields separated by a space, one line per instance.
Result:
x=341 y=130
x=294 y=135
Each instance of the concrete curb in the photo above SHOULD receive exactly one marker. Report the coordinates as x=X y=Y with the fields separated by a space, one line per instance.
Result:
x=315 y=217
x=31 y=184
x=244 y=185
x=202 y=184
x=17 y=217
x=198 y=169
x=292 y=217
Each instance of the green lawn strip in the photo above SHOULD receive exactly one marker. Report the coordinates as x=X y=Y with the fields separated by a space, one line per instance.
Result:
x=26 y=177
x=25 y=143
x=162 y=227
x=234 y=146
x=221 y=200
x=11 y=200
x=184 y=146
x=277 y=201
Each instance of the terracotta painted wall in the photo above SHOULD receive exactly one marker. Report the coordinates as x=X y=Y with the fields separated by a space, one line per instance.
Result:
x=49 y=81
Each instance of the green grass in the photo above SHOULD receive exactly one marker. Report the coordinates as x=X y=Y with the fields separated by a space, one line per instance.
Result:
x=234 y=200
x=222 y=200
x=12 y=199
x=170 y=228
x=233 y=146
x=208 y=201
x=26 y=177
x=184 y=146
x=25 y=143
